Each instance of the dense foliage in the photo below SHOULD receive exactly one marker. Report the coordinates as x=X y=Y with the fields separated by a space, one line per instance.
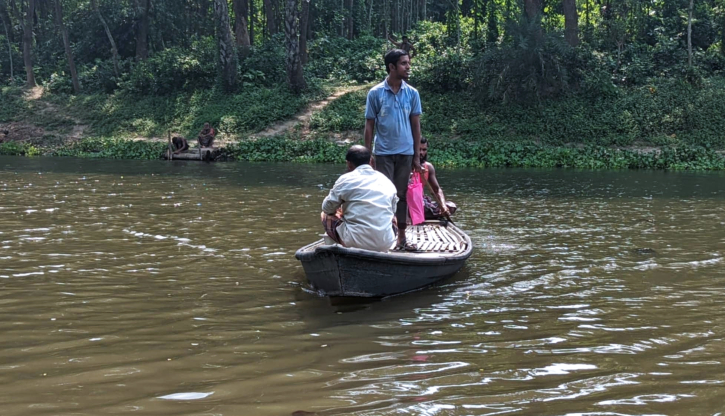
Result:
x=625 y=73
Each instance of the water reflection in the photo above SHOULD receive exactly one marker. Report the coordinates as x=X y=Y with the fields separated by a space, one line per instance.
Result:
x=171 y=288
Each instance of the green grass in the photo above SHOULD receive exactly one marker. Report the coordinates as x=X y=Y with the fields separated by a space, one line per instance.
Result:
x=124 y=115
x=664 y=113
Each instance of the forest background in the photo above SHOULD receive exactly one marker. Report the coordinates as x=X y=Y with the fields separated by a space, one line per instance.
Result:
x=582 y=83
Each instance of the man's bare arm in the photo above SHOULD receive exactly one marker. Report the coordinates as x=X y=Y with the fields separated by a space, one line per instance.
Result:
x=433 y=181
x=415 y=127
x=369 y=133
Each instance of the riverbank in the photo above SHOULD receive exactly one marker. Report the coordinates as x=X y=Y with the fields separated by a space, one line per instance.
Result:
x=669 y=125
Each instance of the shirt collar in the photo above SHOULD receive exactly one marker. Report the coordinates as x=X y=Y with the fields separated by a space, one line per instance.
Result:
x=387 y=86
x=364 y=167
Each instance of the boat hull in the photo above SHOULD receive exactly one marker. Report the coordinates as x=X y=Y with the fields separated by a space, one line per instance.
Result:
x=338 y=271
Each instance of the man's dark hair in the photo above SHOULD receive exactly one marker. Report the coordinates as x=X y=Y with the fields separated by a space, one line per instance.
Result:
x=423 y=140
x=358 y=155
x=405 y=38
x=393 y=56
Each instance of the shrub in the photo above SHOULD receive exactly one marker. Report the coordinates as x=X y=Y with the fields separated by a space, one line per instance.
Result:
x=265 y=64
x=175 y=69
x=347 y=60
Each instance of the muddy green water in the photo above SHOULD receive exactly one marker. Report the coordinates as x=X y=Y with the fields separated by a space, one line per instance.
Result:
x=157 y=288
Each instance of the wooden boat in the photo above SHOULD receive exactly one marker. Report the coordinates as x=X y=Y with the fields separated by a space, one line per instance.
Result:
x=335 y=270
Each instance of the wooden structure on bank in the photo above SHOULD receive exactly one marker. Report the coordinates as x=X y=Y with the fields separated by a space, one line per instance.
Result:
x=335 y=270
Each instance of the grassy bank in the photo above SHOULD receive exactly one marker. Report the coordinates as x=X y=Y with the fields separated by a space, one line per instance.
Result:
x=664 y=125
x=445 y=153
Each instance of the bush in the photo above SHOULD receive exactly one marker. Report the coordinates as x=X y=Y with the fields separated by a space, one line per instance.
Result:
x=347 y=60
x=531 y=68
x=174 y=69
x=113 y=149
x=345 y=113
x=18 y=149
x=264 y=65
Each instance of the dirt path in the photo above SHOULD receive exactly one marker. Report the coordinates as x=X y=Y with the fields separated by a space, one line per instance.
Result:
x=301 y=121
x=25 y=130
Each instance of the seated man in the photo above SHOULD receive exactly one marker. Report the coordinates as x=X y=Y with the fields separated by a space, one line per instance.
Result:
x=368 y=200
x=432 y=210
x=180 y=144
x=206 y=136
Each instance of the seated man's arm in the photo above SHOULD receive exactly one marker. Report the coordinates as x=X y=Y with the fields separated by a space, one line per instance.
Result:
x=333 y=201
x=433 y=181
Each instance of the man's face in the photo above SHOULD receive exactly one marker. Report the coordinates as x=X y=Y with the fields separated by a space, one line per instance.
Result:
x=402 y=69
x=423 y=152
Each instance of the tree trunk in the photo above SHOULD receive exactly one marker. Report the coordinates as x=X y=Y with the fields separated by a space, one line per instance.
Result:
x=370 y=16
x=241 y=33
x=271 y=21
x=142 y=31
x=6 y=23
x=533 y=9
x=28 y=44
x=114 y=49
x=66 y=44
x=689 y=33
x=350 y=19
x=251 y=23
x=225 y=39
x=304 y=27
x=571 y=22
x=492 y=25
x=294 y=66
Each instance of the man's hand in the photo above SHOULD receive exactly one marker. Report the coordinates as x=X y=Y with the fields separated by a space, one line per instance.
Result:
x=416 y=165
x=372 y=162
x=445 y=212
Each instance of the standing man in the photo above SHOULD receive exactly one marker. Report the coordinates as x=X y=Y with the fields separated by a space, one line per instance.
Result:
x=392 y=118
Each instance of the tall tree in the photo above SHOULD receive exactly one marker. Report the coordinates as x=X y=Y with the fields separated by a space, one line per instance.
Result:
x=5 y=17
x=689 y=33
x=304 y=27
x=7 y=21
x=28 y=43
x=271 y=18
x=571 y=22
x=350 y=26
x=225 y=40
x=142 y=29
x=241 y=32
x=109 y=35
x=533 y=9
x=66 y=44
x=295 y=76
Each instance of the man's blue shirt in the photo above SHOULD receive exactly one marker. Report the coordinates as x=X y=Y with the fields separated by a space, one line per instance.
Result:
x=391 y=112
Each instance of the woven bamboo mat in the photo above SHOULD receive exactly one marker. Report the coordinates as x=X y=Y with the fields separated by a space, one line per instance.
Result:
x=432 y=239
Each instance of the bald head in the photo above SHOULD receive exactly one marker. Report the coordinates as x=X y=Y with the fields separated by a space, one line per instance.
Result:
x=358 y=155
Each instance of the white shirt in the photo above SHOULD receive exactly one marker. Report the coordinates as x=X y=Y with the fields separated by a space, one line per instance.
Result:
x=368 y=200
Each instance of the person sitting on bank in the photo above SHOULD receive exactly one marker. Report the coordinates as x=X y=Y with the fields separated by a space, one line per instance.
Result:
x=359 y=212
x=180 y=144
x=431 y=208
x=206 y=136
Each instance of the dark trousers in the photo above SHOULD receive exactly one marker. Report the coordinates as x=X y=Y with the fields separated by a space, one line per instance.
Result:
x=397 y=168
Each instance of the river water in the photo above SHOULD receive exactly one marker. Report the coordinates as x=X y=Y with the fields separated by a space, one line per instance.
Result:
x=171 y=288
